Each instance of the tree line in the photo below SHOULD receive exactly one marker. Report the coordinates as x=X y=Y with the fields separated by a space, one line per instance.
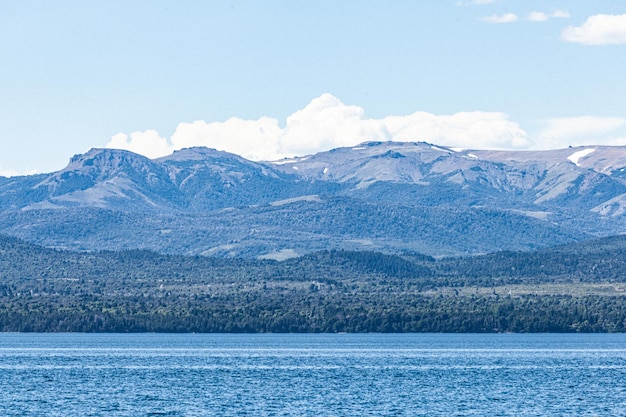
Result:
x=47 y=290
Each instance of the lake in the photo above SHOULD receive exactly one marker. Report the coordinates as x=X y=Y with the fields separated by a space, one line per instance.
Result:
x=312 y=375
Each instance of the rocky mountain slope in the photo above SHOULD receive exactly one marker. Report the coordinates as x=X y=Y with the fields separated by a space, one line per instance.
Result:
x=383 y=196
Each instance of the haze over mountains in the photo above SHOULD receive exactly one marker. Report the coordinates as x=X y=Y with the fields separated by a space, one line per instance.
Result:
x=383 y=196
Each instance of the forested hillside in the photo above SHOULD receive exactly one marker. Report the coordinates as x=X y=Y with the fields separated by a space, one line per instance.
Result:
x=570 y=288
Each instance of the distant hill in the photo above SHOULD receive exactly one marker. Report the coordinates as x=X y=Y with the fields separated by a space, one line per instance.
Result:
x=378 y=196
x=578 y=287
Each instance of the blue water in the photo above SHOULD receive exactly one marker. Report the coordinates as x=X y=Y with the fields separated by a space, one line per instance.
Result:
x=312 y=375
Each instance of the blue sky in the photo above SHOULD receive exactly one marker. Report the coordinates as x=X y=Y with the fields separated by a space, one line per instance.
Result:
x=270 y=79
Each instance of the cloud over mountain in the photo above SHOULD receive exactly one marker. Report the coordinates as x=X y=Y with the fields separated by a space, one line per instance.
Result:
x=148 y=143
x=327 y=123
x=578 y=130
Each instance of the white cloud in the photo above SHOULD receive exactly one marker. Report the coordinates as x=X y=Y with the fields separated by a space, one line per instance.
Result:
x=253 y=139
x=481 y=130
x=583 y=130
x=542 y=16
x=504 y=18
x=327 y=123
x=601 y=29
x=148 y=143
x=560 y=14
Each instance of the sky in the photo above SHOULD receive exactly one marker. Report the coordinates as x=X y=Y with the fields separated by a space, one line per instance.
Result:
x=278 y=78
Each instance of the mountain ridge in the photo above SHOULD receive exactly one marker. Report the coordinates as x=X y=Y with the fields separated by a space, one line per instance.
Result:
x=388 y=196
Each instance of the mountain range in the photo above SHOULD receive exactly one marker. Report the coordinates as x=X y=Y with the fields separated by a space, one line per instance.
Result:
x=381 y=196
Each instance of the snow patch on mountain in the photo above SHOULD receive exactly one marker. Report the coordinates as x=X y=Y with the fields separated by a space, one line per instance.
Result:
x=577 y=156
x=437 y=148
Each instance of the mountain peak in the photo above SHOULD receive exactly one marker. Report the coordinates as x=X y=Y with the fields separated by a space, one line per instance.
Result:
x=105 y=161
x=103 y=177
x=103 y=153
x=197 y=153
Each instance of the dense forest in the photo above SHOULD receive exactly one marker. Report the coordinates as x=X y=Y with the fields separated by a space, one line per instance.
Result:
x=573 y=288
